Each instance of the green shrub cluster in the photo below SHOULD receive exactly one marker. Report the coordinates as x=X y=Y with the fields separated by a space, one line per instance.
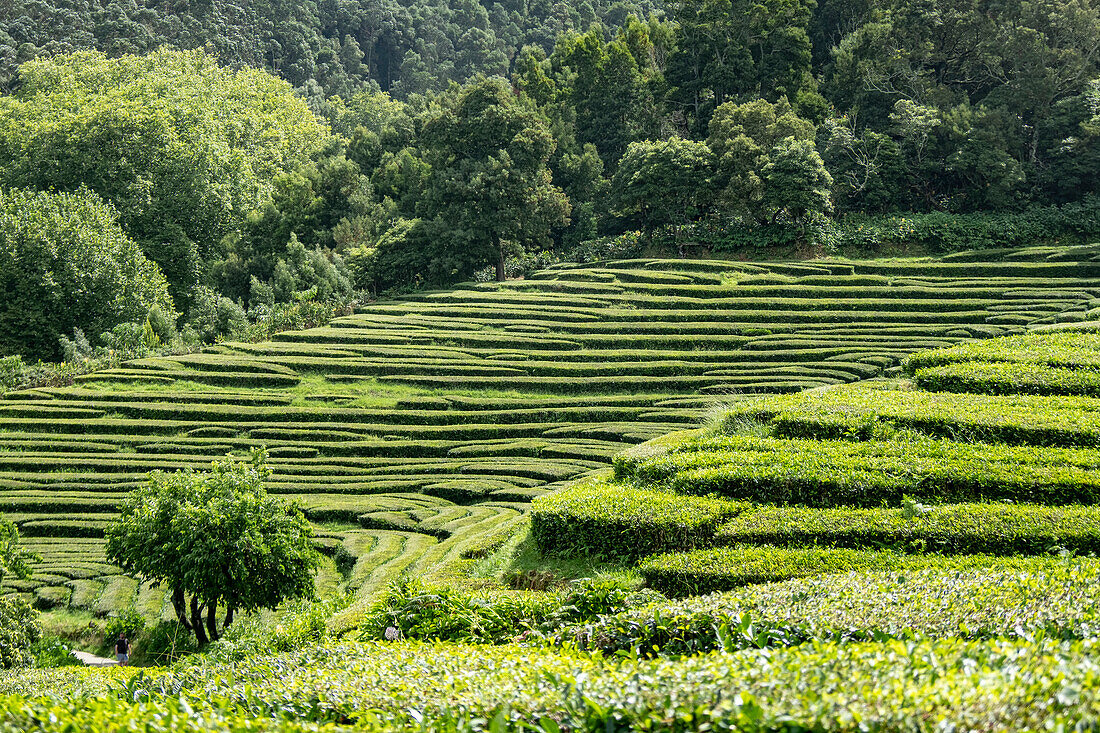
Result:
x=617 y=521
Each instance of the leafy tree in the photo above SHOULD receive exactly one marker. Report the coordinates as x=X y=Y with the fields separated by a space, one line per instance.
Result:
x=664 y=182
x=215 y=539
x=182 y=147
x=744 y=139
x=735 y=51
x=66 y=264
x=489 y=182
x=795 y=180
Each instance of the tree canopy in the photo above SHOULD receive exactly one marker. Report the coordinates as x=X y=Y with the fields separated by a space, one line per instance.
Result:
x=215 y=539
x=65 y=263
x=489 y=182
x=182 y=147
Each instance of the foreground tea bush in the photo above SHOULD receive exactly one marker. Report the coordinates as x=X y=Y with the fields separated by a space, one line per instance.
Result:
x=966 y=597
x=986 y=685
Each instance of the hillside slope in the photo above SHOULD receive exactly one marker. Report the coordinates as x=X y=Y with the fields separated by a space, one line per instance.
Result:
x=418 y=429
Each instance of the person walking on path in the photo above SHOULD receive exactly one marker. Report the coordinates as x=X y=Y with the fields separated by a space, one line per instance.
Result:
x=122 y=649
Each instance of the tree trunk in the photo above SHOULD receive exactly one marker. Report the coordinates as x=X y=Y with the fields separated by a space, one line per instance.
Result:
x=500 y=257
x=196 y=623
x=229 y=614
x=180 y=605
x=212 y=620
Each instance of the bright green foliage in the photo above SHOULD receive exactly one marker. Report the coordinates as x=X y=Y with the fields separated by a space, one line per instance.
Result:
x=18 y=633
x=718 y=569
x=1008 y=378
x=1000 y=529
x=617 y=521
x=1045 y=363
x=217 y=538
x=182 y=147
x=999 y=685
x=1069 y=349
x=859 y=411
x=18 y=623
x=868 y=473
x=664 y=182
x=924 y=596
x=65 y=263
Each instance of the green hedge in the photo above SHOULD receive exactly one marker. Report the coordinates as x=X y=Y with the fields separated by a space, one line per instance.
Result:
x=723 y=568
x=593 y=517
x=1007 y=378
x=971 y=598
x=997 y=529
x=869 y=473
x=861 y=411
x=1060 y=349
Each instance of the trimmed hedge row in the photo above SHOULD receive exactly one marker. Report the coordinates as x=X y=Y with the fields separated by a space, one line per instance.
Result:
x=1005 y=378
x=594 y=517
x=1072 y=349
x=716 y=569
x=862 y=411
x=969 y=598
x=713 y=569
x=996 y=529
x=869 y=473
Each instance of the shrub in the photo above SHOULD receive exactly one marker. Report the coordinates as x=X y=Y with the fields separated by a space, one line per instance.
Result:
x=594 y=517
x=19 y=631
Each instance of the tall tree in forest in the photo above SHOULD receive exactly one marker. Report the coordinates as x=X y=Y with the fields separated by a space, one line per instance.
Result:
x=490 y=185
x=737 y=50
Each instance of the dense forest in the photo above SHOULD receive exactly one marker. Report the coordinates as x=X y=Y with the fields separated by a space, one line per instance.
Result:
x=176 y=172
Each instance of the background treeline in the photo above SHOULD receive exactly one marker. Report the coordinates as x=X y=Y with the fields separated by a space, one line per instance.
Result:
x=400 y=146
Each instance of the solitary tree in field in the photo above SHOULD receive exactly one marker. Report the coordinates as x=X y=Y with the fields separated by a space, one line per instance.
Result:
x=216 y=540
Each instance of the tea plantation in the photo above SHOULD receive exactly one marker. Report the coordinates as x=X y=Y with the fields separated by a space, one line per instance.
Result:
x=416 y=431
x=897 y=528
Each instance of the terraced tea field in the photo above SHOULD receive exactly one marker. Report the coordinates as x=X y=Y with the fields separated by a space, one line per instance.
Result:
x=416 y=431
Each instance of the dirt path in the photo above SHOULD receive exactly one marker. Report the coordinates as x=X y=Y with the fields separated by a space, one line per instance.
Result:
x=92 y=660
